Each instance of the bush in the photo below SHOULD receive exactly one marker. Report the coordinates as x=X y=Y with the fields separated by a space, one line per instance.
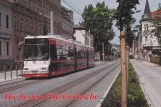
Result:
x=135 y=96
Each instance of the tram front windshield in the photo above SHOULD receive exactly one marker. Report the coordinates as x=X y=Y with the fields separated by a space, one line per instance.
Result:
x=36 y=49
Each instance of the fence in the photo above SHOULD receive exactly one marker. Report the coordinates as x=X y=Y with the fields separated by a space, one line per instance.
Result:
x=155 y=59
x=10 y=71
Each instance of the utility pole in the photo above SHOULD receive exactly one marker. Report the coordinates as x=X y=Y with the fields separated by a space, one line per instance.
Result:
x=103 y=51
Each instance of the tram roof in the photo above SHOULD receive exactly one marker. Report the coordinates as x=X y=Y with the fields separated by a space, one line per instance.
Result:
x=56 y=37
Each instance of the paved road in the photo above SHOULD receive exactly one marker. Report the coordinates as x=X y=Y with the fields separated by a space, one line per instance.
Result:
x=150 y=78
x=45 y=86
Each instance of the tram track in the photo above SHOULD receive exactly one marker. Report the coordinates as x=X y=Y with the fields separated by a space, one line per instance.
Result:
x=68 y=86
x=16 y=85
x=21 y=83
x=68 y=103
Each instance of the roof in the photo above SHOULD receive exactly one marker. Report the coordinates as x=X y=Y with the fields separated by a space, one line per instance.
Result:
x=58 y=37
x=66 y=9
x=76 y=27
x=156 y=14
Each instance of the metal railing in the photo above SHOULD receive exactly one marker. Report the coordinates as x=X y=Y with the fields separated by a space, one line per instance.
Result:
x=11 y=71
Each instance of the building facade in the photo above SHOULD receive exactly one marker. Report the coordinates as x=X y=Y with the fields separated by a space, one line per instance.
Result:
x=6 y=33
x=83 y=36
x=147 y=40
x=67 y=22
x=32 y=17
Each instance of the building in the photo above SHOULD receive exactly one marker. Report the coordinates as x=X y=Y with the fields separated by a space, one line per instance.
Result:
x=83 y=36
x=6 y=33
x=147 y=40
x=32 y=17
x=67 y=22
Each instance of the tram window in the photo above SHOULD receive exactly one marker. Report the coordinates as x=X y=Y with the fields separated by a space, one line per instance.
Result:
x=70 y=53
x=62 y=53
x=83 y=54
x=53 y=52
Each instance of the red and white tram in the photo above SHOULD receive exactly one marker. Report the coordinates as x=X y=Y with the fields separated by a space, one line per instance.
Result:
x=47 y=56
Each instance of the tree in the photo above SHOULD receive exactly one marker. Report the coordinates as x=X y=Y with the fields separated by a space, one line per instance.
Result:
x=129 y=35
x=159 y=6
x=124 y=18
x=99 y=21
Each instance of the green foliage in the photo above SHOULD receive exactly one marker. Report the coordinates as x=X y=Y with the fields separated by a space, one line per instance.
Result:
x=124 y=17
x=129 y=36
x=159 y=6
x=135 y=96
x=124 y=12
x=99 y=21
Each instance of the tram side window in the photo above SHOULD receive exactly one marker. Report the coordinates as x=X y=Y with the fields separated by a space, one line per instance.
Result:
x=82 y=54
x=78 y=54
x=62 y=52
x=53 y=52
x=85 y=53
x=88 y=54
x=92 y=55
x=70 y=53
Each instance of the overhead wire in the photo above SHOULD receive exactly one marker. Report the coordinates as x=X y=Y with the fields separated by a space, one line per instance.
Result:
x=78 y=12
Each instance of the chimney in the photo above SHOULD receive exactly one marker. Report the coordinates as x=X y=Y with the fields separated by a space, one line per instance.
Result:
x=51 y=23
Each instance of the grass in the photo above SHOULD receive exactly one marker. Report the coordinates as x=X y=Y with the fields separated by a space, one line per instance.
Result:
x=135 y=95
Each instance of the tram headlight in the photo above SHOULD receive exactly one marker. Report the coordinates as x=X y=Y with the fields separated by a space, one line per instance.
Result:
x=44 y=69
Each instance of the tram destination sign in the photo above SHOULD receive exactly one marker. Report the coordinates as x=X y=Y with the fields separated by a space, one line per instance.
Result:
x=5 y=36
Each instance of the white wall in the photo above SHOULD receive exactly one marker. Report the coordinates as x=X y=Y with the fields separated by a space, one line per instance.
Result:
x=151 y=39
x=80 y=36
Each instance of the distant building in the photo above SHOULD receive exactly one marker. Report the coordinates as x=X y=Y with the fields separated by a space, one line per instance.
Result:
x=115 y=50
x=67 y=22
x=6 y=33
x=147 y=41
x=83 y=36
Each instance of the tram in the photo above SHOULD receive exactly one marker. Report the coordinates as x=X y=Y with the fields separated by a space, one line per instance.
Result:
x=47 y=56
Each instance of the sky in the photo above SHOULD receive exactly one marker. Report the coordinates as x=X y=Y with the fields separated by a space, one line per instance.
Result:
x=80 y=4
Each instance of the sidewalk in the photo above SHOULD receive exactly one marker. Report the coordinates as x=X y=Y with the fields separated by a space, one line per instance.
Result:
x=150 y=81
x=156 y=66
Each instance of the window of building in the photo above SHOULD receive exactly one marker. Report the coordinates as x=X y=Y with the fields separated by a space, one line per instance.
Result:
x=39 y=32
x=146 y=27
x=21 y=24
x=31 y=27
x=16 y=24
x=0 y=19
x=0 y=47
x=7 y=21
x=7 y=48
x=27 y=25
